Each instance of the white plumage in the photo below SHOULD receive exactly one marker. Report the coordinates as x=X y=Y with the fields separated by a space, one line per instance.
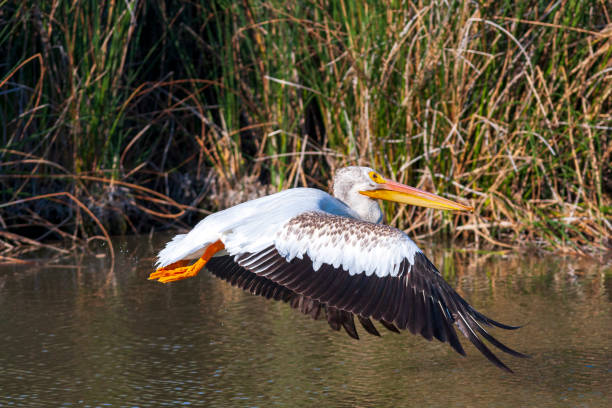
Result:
x=244 y=229
x=250 y=226
x=355 y=246
x=329 y=254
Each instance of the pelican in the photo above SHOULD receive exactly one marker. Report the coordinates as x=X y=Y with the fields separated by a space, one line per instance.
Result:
x=330 y=256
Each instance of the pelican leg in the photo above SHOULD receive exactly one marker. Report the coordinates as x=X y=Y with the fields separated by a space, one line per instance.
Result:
x=182 y=270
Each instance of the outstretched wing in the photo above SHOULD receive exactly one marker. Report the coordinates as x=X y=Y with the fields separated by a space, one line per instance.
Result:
x=225 y=268
x=354 y=268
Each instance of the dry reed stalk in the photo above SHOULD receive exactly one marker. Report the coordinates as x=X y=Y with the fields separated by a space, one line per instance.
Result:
x=509 y=112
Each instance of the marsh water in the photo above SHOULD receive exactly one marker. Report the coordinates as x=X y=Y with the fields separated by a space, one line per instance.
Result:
x=76 y=332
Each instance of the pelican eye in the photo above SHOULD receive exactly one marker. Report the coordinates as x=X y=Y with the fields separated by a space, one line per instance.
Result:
x=377 y=178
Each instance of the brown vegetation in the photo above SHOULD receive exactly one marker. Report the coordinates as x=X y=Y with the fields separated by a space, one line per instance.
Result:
x=129 y=117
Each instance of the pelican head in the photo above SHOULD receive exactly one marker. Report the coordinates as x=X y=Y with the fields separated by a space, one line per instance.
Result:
x=359 y=187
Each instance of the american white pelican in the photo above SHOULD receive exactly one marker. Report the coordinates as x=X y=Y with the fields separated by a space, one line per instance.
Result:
x=329 y=255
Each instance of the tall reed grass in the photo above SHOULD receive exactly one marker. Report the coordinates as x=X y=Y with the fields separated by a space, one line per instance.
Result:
x=130 y=116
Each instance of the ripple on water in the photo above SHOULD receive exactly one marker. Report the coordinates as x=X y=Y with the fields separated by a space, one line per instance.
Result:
x=83 y=337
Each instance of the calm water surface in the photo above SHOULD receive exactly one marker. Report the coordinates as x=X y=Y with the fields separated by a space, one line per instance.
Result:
x=80 y=334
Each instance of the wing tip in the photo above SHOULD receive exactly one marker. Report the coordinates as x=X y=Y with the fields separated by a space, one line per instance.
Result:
x=487 y=320
x=467 y=325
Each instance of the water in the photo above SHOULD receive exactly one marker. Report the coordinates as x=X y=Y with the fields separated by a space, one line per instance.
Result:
x=80 y=334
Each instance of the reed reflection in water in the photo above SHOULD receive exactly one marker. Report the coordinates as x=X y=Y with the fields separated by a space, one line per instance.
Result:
x=79 y=334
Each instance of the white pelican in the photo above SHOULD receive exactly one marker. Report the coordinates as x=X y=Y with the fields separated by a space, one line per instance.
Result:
x=329 y=255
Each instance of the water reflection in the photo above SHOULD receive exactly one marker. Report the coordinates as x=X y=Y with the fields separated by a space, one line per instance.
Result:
x=77 y=334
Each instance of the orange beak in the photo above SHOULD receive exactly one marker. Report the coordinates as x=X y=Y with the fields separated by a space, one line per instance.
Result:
x=400 y=193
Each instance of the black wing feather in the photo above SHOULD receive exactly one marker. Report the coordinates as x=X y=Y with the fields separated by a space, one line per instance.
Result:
x=418 y=299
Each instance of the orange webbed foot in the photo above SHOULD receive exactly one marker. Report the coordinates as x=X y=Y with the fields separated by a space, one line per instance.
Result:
x=168 y=270
x=182 y=270
x=180 y=273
